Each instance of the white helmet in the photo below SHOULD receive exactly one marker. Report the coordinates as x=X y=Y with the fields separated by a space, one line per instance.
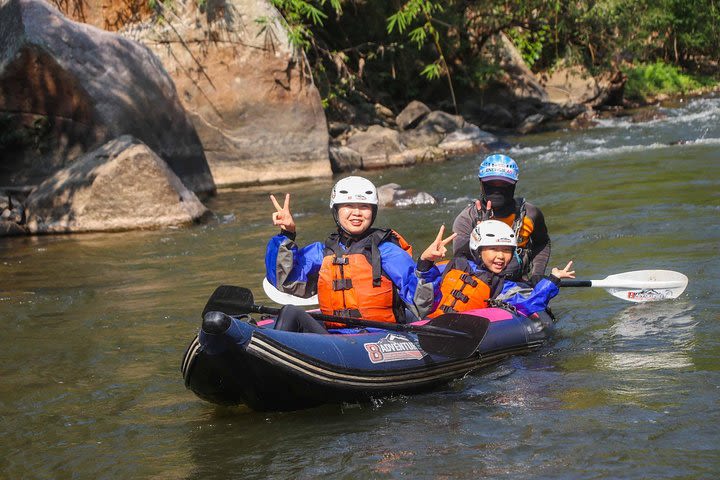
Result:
x=490 y=233
x=353 y=190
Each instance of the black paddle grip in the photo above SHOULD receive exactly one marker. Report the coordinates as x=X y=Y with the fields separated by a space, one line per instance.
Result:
x=575 y=283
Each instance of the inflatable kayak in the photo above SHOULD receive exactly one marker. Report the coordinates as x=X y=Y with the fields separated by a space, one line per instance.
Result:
x=236 y=359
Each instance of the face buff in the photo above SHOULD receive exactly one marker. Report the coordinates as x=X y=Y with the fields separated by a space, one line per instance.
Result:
x=503 y=203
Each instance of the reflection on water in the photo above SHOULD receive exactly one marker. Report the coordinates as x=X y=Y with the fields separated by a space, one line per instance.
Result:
x=96 y=325
x=642 y=339
x=645 y=360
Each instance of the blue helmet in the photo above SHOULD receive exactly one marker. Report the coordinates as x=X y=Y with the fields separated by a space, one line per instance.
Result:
x=499 y=167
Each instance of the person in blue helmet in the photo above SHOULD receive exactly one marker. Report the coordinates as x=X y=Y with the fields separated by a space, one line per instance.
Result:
x=498 y=175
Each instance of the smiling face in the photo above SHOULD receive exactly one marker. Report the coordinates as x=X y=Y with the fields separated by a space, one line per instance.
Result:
x=496 y=258
x=355 y=218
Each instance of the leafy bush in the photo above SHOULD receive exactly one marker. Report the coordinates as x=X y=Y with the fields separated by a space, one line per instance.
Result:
x=432 y=49
x=646 y=80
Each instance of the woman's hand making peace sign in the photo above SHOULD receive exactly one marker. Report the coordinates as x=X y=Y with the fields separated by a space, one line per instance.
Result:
x=282 y=217
x=437 y=250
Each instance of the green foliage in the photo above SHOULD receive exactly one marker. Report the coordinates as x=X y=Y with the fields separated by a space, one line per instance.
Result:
x=410 y=12
x=300 y=17
x=646 y=80
x=485 y=73
x=529 y=42
x=432 y=71
x=648 y=30
x=424 y=11
x=399 y=50
x=421 y=11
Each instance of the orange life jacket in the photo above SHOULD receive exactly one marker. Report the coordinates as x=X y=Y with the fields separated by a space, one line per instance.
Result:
x=351 y=282
x=463 y=289
x=523 y=227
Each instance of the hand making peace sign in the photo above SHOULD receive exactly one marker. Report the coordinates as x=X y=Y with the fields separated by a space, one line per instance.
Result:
x=437 y=249
x=489 y=214
x=565 y=272
x=282 y=217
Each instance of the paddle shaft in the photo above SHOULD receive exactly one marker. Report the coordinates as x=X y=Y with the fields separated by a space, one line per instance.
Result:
x=453 y=335
x=630 y=284
x=353 y=322
x=575 y=283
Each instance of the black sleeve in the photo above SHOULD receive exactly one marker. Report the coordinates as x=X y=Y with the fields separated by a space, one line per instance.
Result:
x=463 y=226
x=424 y=265
x=540 y=252
x=290 y=235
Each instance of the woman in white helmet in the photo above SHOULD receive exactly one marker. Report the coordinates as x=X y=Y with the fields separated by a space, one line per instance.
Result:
x=468 y=283
x=358 y=271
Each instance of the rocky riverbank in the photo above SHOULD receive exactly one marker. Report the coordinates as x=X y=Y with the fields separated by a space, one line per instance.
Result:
x=184 y=98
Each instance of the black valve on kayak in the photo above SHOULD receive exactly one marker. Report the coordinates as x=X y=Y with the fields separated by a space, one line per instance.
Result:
x=216 y=323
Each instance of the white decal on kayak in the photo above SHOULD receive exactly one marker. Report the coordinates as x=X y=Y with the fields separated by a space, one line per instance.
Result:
x=393 y=348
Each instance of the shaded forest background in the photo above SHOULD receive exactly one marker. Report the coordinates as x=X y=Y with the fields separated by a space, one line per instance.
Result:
x=394 y=51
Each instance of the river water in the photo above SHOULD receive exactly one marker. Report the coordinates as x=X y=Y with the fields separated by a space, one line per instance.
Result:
x=95 y=326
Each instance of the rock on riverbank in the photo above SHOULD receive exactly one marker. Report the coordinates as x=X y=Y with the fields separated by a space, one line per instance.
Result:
x=102 y=191
x=67 y=88
x=416 y=135
x=245 y=88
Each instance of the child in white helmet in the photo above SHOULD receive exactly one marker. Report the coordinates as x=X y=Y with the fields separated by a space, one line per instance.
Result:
x=468 y=283
x=498 y=175
x=358 y=271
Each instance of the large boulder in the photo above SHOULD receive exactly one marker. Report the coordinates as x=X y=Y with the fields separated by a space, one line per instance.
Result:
x=120 y=186
x=437 y=136
x=376 y=143
x=442 y=122
x=12 y=215
x=412 y=114
x=491 y=115
x=519 y=79
x=344 y=159
x=469 y=139
x=420 y=137
x=248 y=92
x=571 y=85
x=531 y=123
x=67 y=88
x=393 y=195
x=431 y=129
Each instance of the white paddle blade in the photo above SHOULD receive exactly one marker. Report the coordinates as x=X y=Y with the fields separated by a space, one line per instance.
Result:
x=283 y=298
x=644 y=285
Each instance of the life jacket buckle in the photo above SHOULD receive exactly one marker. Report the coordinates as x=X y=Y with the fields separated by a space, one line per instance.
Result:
x=460 y=296
x=342 y=284
x=347 y=312
x=447 y=309
x=468 y=279
x=341 y=260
